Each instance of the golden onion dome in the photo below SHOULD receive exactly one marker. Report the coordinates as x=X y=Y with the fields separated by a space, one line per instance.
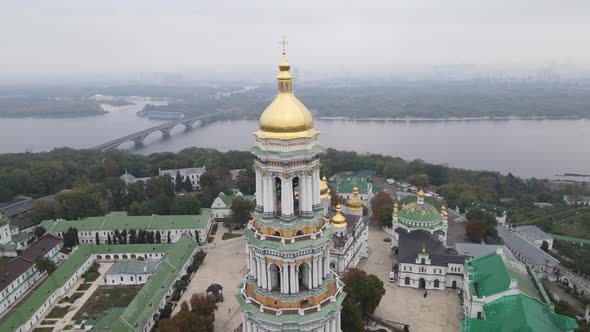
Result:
x=286 y=117
x=421 y=193
x=324 y=186
x=338 y=220
x=355 y=203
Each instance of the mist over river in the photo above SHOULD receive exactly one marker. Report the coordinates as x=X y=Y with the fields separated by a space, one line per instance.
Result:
x=528 y=148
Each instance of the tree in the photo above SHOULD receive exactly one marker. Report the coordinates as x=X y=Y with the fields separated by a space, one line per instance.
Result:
x=351 y=318
x=187 y=204
x=43 y=210
x=200 y=313
x=240 y=210
x=364 y=291
x=123 y=239
x=141 y=237
x=487 y=218
x=44 y=264
x=70 y=238
x=117 y=237
x=168 y=237
x=39 y=231
x=97 y=240
x=149 y=238
x=109 y=241
x=382 y=207
x=545 y=246
x=475 y=230
x=132 y=236
x=158 y=237
x=419 y=179
x=161 y=205
x=188 y=185
x=178 y=183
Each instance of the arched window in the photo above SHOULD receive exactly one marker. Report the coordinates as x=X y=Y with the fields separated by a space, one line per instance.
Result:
x=407 y=280
x=423 y=261
x=436 y=283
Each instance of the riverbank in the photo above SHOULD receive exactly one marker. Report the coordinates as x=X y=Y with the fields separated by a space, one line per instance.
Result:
x=481 y=118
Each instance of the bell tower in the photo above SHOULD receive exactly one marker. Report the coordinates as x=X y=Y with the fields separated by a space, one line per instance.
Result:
x=289 y=284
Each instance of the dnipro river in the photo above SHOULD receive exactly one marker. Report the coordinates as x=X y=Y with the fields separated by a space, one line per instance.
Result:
x=528 y=148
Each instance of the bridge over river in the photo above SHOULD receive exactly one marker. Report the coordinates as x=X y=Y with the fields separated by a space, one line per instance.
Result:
x=165 y=129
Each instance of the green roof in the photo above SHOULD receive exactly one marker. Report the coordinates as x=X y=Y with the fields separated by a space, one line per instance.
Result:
x=120 y=220
x=419 y=212
x=105 y=321
x=518 y=313
x=493 y=273
x=141 y=309
x=64 y=272
x=133 y=267
x=346 y=185
x=575 y=240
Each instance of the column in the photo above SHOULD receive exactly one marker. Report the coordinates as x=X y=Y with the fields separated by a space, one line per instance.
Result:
x=320 y=271
x=333 y=325
x=259 y=191
x=314 y=272
x=309 y=193
x=316 y=187
x=285 y=278
x=253 y=270
x=266 y=195
x=268 y=278
x=248 y=256
x=338 y=322
x=292 y=278
x=296 y=280
x=327 y=269
x=272 y=193
x=264 y=273
x=258 y=273
x=309 y=276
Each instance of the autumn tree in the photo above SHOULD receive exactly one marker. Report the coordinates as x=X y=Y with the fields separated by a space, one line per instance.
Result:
x=200 y=313
x=382 y=207
x=475 y=230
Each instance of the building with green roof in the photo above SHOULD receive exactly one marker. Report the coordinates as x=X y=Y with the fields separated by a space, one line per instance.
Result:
x=518 y=313
x=172 y=225
x=175 y=258
x=503 y=294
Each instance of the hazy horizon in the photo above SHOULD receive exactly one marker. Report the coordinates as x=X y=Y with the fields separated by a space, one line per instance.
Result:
x=238 y=40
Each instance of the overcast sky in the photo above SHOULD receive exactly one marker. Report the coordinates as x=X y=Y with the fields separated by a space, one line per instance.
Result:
x=238 y=39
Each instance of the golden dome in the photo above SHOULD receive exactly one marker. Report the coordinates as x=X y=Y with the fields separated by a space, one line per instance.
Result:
x=286 y=117
x=421 y=193
x=355 y=203
x=338 y=220
x=324 y=186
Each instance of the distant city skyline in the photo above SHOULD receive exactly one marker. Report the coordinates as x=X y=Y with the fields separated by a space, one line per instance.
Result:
x=236 y=40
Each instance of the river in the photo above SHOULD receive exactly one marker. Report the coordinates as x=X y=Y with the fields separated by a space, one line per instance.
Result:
x=528 y=148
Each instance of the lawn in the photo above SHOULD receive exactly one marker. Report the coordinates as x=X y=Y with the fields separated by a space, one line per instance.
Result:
x=106 y=297
x=48 y=322
x=83 y=287
x=227 y=236
x=58 y=312
x=43 y=329
x=73 y=297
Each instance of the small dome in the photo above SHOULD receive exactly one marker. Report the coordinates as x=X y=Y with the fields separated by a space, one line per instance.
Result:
x=324 y=186
x=419 y=212
x=338 y=220
x=355 y=203
x=421 y=193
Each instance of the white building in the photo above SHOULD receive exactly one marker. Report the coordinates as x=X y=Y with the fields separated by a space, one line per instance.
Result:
x=424 y=263
x=351 y=243
x=20 y=273
x=130 y=272
x=169 y=226
x=535 y=235
x=193 y=174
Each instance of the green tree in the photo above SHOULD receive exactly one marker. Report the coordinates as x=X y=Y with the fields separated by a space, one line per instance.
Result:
x=109 y=241
x=44 y=264
x=364 y=291
x=123 y=239
x=240 y=210
x=179 y=184
x=132 y=236
x=158 y=237
x=136 y=192
x=43 y=210
x=186 y=204
x=419 y=179
x=161 y=205
x=351 y=318
x=141 y=237
x=382 y=207
x=149 y=237
x=39 y=231
x=168 y=237
x=545 y=246
x=188 y=185
x=97 y=239
x=70 y=238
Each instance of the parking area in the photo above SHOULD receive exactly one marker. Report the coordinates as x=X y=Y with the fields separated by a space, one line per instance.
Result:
x=439 y=311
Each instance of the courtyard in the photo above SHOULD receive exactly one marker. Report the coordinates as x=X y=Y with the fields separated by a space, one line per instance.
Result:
x=439 y=311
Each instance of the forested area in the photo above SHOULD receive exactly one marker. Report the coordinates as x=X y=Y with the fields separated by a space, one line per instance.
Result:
x=94 y=187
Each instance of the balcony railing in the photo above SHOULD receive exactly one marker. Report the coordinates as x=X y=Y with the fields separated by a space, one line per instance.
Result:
x=302 y=311
x=287 y=240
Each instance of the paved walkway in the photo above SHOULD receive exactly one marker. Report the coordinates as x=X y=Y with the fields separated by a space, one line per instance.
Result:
x=440 y=311
x=225 y=264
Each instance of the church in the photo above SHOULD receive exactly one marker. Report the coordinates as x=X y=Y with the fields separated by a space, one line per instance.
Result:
x=420 y=236
x=289 y=285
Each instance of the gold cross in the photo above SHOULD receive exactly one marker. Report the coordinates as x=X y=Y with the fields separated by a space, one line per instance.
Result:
x=283 y=43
